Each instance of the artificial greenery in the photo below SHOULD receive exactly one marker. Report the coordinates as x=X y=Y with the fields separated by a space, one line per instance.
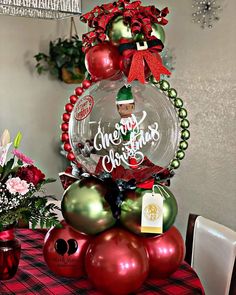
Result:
x=64 y=55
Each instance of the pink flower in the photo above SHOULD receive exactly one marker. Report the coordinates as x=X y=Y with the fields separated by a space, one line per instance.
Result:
x=22 y=157
x=16 y=185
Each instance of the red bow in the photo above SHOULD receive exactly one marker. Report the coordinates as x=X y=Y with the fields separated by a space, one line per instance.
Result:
x=153 y=61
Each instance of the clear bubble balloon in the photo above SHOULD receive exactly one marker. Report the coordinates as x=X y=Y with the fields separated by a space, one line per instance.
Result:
x=116 y=127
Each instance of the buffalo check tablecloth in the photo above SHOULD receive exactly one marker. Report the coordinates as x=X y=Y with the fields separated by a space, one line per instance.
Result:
x=34 y=277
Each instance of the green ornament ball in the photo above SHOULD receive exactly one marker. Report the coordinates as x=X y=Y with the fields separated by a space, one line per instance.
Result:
x=183 y=145
x=117 y=30
x=183 y=113
x=178 y=103
x=164 y=85
x=131 y=209
x=172 y=93
x=184 y=124
x=185 y=134
x=158 y=32
x=180 y=155
x=175 y=164
x=84 y=206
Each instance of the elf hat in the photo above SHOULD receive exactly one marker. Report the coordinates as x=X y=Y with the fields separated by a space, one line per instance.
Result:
x=124 y=95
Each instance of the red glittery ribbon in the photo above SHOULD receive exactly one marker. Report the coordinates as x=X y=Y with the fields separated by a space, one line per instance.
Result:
x=140 y=18
x=7 y=235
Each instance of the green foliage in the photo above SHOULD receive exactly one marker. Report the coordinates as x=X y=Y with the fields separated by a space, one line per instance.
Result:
x=66 y=54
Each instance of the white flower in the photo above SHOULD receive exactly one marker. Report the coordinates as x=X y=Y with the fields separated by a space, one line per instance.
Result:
x=4 y=146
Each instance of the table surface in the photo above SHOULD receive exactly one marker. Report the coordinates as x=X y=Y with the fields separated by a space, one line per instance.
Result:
x=34 y=277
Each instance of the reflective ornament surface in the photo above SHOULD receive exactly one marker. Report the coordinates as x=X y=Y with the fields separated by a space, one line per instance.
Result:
x=103 y=61
x=117 y=30
x=84 y=206
x=117 y=262
x=131 y=209
x=166 y=253
x=64 y=251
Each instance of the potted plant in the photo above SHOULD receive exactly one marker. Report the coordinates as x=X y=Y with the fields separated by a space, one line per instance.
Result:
x=64 y=61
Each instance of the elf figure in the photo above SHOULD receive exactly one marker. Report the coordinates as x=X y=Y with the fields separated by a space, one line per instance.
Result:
x=128 y=123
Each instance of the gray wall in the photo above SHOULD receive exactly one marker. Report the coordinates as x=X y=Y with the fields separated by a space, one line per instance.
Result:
x=205 y=77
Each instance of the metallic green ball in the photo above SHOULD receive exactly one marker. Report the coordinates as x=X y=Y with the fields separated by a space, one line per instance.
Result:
x=175 y=164
x=164 y=85
x=158 y=32
x=131 y=209
x=153 y=80
x=84 y=206
x=172 y=93
x=180 y=155
x=117 y=29
x=185 y=134
x=183 y=145
x=178 y=103
x=183 y=113
x=184 y=124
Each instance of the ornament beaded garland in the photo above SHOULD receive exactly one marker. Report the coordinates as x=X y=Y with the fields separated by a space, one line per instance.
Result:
x=182 y=114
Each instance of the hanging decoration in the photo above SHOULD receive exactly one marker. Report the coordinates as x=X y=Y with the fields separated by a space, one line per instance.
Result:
x=125 y=131
x=65 y=59
x=206 y=12
x=50 y=9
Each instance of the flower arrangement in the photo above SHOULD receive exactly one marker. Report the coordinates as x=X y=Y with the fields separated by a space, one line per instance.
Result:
x=20 y=181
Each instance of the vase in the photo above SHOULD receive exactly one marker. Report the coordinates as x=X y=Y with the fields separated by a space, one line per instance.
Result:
x=10 y=249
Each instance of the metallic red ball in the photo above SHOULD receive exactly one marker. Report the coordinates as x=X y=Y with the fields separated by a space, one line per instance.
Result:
x=65 y=137
x=102 y=60
x=64 y=126
x=73 y=99
x=70 y=156
x=86 y=84
x=67 y=147
x=79 y=91
x=69 y=107
x=66 y=117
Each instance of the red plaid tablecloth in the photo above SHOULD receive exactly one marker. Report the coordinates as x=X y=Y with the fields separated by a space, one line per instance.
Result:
x=34 y=277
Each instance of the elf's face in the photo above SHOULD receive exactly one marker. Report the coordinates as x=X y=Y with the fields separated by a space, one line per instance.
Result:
x=125 y=110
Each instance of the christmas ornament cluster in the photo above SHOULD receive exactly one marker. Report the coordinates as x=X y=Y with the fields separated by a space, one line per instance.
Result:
x=125 y=131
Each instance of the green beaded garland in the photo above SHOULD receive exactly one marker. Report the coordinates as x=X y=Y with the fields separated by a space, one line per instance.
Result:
x=180 y=155
x=175 y=164
x=183 y=145
x=153 y=80
x=185 y=134
x=178 y=103
x=184 y=124
x=172 y=93
x=182 y=113
x=164 y=85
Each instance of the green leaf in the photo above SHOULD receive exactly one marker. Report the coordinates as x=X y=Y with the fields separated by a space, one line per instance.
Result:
x=19 y=162
x=7 y=168
x=17 y=140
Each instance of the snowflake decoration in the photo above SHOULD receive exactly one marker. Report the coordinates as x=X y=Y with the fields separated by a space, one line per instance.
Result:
x=206 y=12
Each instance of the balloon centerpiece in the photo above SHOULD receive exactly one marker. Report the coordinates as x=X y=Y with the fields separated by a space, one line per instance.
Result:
x=125 y=131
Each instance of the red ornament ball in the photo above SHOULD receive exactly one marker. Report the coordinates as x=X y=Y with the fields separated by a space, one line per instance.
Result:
x=67 y=147
x=166 y=253
x=64 y=251
x=71 y=156
x=79 y=91
x=66 y=117
x=69 y=107
x=65 y=137
x=86 y=84
x=102 y=61
x=64 y=126
x=73 y=99
x=117 y=262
